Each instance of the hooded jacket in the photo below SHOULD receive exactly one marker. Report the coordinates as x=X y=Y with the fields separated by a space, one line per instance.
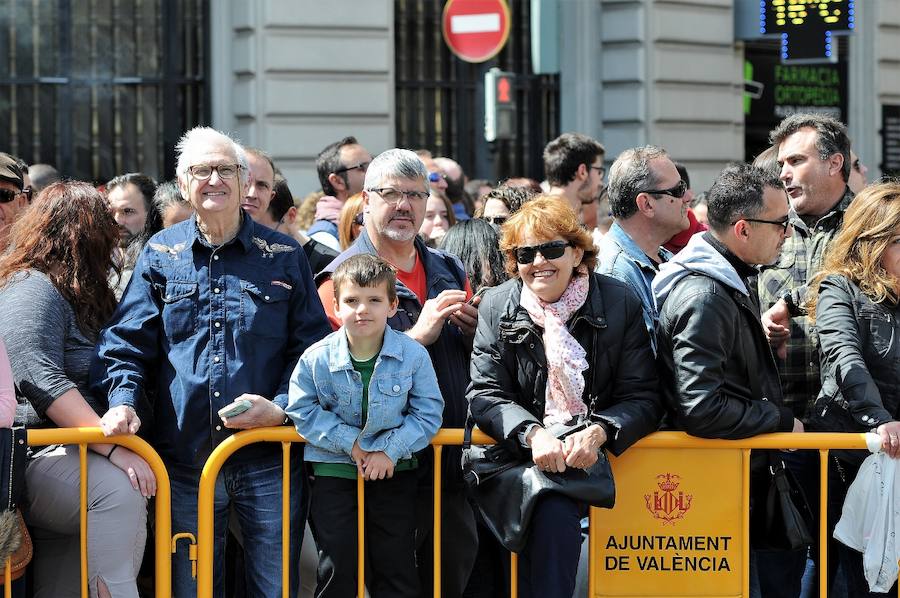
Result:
x=717 y=372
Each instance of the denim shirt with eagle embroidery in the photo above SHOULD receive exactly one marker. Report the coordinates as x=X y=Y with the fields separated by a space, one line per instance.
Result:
x=200 y=325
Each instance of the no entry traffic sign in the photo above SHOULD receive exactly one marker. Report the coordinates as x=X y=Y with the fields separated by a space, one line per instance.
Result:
x=476 y=30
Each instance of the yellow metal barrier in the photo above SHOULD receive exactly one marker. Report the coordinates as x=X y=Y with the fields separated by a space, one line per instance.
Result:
x=85 y=436
x=658 y=441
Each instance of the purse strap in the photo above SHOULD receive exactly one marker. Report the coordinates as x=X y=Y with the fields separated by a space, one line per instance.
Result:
x=467 y=433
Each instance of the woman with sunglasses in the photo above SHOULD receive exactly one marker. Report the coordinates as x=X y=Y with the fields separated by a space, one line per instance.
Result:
x=559 y=344
x=856 y=309
x=55 y=296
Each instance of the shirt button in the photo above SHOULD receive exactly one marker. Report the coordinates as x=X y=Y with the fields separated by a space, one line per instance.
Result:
x=217 y=324
x=218 y=428
x=216 y=359
x=215 y=257
x=216 y=394
x=266 y=297
x=396 y=388
x=216 y=290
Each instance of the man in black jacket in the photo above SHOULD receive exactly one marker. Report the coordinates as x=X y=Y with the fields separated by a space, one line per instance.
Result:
x=717 y=371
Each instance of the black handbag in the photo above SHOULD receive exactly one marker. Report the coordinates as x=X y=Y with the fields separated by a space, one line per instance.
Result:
x=780 y=517
x=505 y=484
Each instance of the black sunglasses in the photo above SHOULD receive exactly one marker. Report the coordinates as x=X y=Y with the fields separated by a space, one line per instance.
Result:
x=784 y=224
x=7 y=195
x=361 y=166
x=495 y=220
x=551 y=251
x=677 y=191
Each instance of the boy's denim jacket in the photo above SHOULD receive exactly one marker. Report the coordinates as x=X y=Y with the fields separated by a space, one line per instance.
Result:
x=325 y=400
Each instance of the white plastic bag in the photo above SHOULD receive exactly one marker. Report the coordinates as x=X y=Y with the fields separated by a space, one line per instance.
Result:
x=868 y=520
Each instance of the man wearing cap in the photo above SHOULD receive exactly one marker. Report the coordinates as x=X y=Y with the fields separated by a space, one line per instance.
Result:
x=14 y=195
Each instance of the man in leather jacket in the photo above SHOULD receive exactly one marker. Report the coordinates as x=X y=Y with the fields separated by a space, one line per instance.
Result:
x=717 y=371
x=722 y=380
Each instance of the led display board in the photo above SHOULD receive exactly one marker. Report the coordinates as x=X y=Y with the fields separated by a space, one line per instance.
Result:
x=807 y=27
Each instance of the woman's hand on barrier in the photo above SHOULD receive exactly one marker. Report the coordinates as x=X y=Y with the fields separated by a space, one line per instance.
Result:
x=120 y=420
x=378 y=466
x=581 y=447
x=138 y=471
x=890 y=439
x=547 y=451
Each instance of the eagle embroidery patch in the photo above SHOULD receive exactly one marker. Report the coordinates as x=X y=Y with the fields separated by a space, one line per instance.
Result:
x=268 y=250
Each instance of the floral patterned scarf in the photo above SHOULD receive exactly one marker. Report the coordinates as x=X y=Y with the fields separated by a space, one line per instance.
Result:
x=566 y=358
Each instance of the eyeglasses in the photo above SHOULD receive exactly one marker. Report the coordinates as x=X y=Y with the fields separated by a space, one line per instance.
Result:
x=361 y=166
x=358 y=219
x=495 y=220
x=392 y=196
x=600 y=170
x=7 y=195
x=434 y=177
x=784 y=224
x=677 y=191
x=551 y=251
x=202 y=172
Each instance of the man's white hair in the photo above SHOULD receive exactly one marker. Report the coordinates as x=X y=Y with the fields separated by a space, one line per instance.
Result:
x=201 y=140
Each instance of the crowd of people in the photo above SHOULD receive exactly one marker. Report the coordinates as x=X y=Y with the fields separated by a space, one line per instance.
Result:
x=403 y=297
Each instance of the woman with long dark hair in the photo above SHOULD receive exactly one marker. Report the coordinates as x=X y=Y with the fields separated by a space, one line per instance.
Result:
x=54 y=297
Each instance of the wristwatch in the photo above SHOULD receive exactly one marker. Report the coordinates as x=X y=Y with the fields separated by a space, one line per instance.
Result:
x=794 y=310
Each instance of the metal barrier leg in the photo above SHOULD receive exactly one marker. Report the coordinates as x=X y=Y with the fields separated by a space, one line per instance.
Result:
x=823 y=523
x=285 y=519
x=82 y=460
x=745 y=523
x=437 y=520
x=513 y=575
x=360 y=537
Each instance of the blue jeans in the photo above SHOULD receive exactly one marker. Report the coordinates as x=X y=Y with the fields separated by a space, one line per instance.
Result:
x=253 y=489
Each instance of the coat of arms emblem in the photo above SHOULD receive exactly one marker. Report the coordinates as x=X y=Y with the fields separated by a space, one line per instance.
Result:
x=668 y=504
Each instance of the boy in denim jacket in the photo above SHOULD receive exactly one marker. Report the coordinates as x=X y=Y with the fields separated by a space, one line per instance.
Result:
x=365 y=398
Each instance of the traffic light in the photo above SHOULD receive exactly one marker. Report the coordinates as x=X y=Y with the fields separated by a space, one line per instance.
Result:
x=499 y=105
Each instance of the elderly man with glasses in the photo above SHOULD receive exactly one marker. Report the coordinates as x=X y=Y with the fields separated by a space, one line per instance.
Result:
x=217 y=314
x=14 y=194
x=434 y=309
x=648 y=198
x=342 y=168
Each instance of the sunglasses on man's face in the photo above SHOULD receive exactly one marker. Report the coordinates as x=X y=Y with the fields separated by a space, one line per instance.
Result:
x=7 y=195
x=551 y=251
x=495 y=220
x=677 y=191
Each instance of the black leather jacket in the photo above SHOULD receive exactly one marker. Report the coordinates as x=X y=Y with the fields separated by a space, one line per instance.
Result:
x=717 y=371
x=509 y=367
x=860 y=359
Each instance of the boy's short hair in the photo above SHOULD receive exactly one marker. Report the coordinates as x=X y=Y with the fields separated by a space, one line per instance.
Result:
x=366 y=271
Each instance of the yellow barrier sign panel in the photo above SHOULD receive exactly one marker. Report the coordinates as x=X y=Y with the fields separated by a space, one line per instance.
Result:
x=676 y=529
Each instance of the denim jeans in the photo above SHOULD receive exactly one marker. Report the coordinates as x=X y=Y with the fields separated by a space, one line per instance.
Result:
x=253 y=489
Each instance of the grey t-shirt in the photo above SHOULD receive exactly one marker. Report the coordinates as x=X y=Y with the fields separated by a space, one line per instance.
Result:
x=49 y=353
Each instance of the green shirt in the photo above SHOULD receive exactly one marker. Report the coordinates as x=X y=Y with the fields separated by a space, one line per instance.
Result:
x=343 y=470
